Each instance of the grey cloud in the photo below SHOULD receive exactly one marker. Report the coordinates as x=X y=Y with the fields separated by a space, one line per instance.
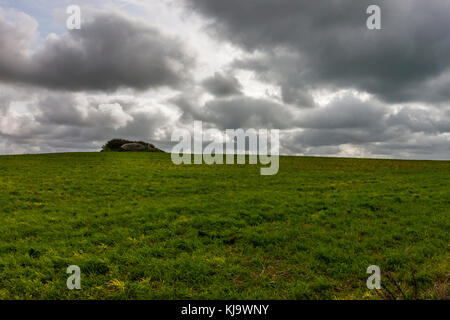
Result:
x=188 y=103
x=430 y=121
x=109 y=52
x=347 y=112
x=59 y=109
x=346 y=120
x=57 y=122
x=222 y=85
x=246 y=112
x=369 y=126
x=285 y=69
x=333 y=137
x=409 y=145
x=416 y=147
x=373 y=129
x=237 y=112
x=329 y=45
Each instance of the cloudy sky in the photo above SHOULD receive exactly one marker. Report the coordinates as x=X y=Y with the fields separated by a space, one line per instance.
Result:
x=140 y=69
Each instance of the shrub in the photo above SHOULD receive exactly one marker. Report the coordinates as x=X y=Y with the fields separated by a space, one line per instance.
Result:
x=116 y=144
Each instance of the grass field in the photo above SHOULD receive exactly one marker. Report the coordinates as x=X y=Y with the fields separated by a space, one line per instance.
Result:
x=140 y=227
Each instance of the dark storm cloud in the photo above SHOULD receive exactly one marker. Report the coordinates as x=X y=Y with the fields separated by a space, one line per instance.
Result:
x=347 y=112
x=236 y=112
x=59 y=109
x=345 y=120
x=328 y=44
x=110 y=51
x=244 y=112
x=281 y=68
x=222 y=85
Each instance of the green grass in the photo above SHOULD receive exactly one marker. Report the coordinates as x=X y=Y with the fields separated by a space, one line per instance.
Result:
x=140 y=227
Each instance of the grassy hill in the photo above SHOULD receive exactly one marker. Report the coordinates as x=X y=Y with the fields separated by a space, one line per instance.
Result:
x=140 y=227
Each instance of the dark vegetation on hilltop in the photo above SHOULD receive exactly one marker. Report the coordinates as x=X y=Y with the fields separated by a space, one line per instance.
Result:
x=117 y=145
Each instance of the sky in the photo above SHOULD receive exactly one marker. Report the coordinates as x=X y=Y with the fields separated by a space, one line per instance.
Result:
x=312 y=69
